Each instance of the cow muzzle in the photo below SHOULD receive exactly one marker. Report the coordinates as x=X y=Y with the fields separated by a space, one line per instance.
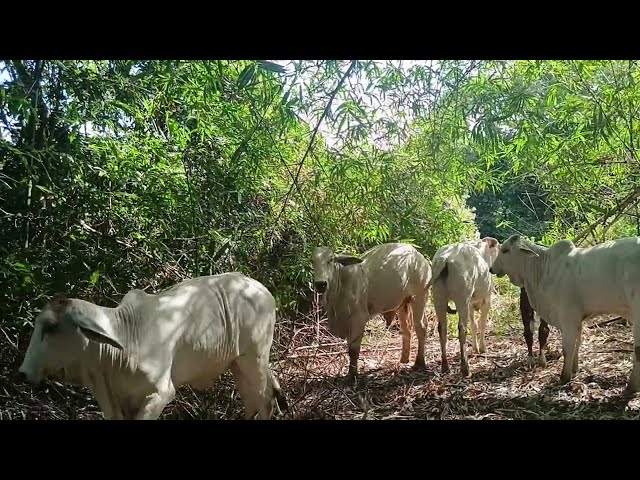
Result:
x=28 y=378
x=320 y=286
x=497 y=274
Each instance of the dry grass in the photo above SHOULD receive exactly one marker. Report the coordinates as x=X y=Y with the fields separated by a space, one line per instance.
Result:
x=311 y=364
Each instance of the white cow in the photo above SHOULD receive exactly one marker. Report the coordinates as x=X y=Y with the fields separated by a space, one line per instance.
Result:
x=133 y=357
x=461 y=273
x=388 y=278
x=567 y=285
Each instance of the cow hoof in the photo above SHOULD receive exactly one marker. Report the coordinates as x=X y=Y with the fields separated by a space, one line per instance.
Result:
x=531 y=362
x=350 y=380
x=464 y=370
x=542 y=362
x=445 y=368
x=483 y=349
x=564 y=378
x=404 y=359
x=419 y=365
x=631 y=389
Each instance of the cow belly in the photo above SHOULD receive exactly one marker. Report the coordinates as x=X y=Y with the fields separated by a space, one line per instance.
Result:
x=199 y=369
x=387 y=305
x=339 y=328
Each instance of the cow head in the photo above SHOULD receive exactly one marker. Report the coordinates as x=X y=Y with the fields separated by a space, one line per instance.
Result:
x=489 y=248
x=326 y=264
x=511 y=259
x=60 y=335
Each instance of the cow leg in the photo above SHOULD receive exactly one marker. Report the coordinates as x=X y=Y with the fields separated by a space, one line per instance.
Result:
x=543 y=335
x=354 y=355
x=464 y=313
x=417 y=312
x=405 y=326
x=108 y=402
x=440 y=306
x=526 y=312
x=482 y=324
x=389 y=317
x=279 y=399
x=154 y=404
x=252 y=375
x=442 y=333
x=474 y=330
x=634 y=381
x=575 y=367
x=569 y=339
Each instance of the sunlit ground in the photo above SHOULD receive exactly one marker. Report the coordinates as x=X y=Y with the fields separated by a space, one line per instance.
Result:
x=312 y=364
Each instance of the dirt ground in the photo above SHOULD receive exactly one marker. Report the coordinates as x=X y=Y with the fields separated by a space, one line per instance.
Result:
x=501 y=385
x=312 y=365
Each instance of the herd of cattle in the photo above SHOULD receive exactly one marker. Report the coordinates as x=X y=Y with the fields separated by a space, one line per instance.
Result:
x=133 y=357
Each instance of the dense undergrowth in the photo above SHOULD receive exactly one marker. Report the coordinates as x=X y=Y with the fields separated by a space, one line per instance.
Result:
x=137 y=174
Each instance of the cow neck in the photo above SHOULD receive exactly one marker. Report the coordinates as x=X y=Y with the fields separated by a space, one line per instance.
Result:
x=123 y=323
x=333 y=291
x=338 y=295
x=339 y=302
x=534 y=266
x=127 y=324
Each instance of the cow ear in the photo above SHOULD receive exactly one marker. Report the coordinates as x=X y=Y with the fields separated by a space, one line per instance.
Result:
x=92 y=327
x=528 y=252
x=100 y=338
x=492 y=242
x=347 y=260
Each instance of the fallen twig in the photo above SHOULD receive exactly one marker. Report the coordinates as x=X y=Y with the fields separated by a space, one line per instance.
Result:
x=321 y=345
x=341 y=352
x=615 y=350
x=606 y=322
x=15 y=346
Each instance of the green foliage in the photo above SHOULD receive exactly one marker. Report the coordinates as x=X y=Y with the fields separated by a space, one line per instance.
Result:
x=135 y=174
x=571 y=127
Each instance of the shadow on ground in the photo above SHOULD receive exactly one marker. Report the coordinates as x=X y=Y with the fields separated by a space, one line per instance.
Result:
x=501 y=385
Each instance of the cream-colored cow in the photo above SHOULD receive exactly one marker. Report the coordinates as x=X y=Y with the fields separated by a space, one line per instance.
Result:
x=461 y=273
x=567 y=285
x=386 y=279
x=134 y=357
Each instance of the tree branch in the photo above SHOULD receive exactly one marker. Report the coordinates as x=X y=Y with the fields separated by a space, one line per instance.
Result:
x=313 y=138
x=619 y=209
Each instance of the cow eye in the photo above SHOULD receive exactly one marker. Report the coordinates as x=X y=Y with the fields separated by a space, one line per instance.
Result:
x=505 y=250
x=49 y=328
